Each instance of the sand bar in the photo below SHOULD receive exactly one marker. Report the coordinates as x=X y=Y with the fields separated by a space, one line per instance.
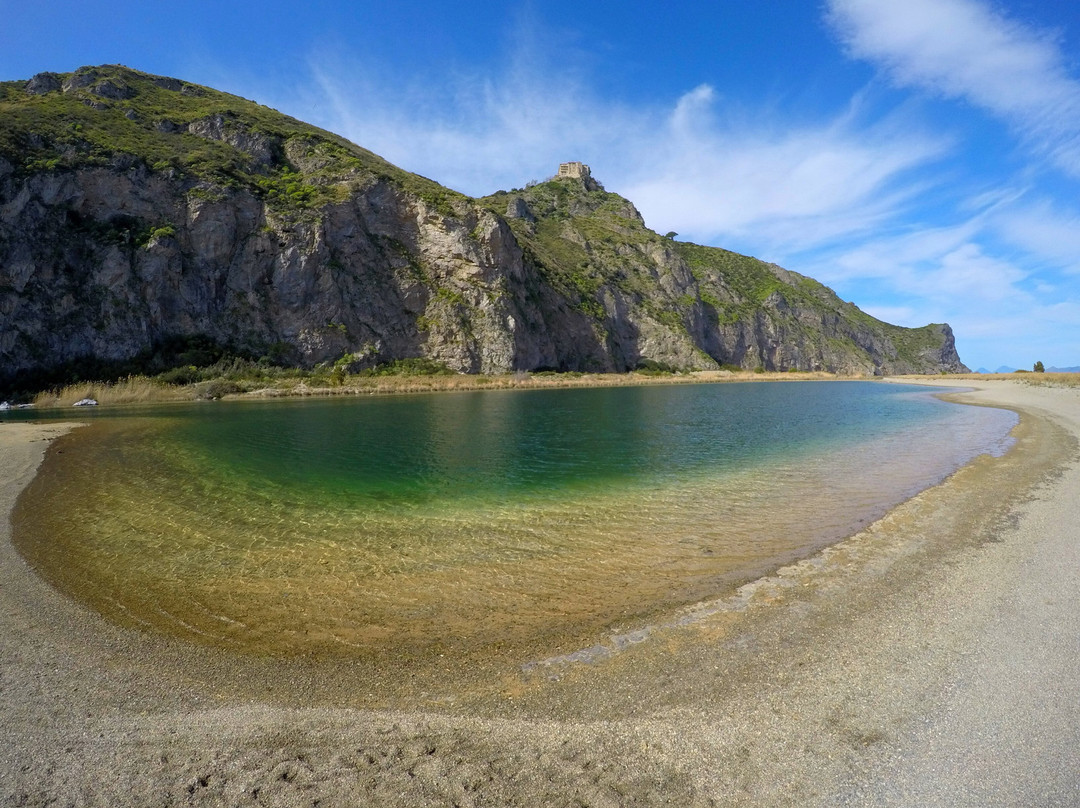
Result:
x=931 y=659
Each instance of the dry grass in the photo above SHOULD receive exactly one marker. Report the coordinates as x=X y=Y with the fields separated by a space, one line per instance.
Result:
x=141 y=390
x=132 y=390
x=397 y=385
x=1048 y=379
x=1021 y=377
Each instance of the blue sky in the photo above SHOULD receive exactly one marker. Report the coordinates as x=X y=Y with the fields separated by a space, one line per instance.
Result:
x=921 y=158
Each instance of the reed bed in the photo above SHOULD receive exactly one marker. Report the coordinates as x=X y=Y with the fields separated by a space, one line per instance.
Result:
x=399 y=385
x=132 y=390
x=145 y=390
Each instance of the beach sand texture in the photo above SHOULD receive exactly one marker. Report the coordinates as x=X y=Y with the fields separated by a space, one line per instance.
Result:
x=932 y=659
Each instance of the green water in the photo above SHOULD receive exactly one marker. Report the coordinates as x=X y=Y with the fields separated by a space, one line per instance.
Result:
x=460 y=522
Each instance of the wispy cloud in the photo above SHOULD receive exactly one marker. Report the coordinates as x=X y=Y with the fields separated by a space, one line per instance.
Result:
x=476 y=132
x=754 y=178
x=965 y=49
x=996 y=289
x=787 y=187
x=945 y=268
x=999 y=264
x=969 y=273
x=1049 y=232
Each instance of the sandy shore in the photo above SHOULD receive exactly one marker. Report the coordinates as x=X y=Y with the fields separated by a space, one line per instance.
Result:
x=931 y=659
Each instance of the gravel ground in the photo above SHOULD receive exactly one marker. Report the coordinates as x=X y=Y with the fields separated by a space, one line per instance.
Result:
x=929 y=660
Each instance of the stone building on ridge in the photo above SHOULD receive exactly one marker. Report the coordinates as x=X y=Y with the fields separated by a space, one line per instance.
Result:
x=574 y=169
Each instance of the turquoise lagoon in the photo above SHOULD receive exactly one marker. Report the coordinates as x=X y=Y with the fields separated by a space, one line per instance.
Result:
x=464 y=522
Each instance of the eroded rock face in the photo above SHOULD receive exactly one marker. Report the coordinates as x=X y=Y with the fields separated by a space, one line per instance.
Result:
x=85 y=274
x=43 y=83
x=101 y=262
x=217 y=127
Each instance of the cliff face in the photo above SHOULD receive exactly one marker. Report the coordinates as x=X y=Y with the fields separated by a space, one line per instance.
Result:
x=134 y=209
x=100 y=262
x=655 y=299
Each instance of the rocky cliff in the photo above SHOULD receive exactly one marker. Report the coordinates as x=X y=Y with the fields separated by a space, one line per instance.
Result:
x=136 y=209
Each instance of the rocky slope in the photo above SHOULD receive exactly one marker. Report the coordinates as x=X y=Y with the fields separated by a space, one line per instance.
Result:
x=136 y=210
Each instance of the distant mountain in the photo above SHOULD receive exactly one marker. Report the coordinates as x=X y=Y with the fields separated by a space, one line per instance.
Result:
x=139 y=211
x=1075 y=369
x=1005 y=369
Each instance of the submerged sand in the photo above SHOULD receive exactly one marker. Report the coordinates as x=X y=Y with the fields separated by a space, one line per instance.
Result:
x=931 y=659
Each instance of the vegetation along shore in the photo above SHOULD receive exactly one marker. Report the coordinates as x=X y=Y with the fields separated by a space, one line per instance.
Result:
x=238 y=380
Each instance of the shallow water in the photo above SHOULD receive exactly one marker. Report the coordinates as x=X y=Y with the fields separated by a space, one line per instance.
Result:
x=471 y=522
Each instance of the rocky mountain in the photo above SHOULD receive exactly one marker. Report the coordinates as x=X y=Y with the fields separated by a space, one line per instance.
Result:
x=136 y=210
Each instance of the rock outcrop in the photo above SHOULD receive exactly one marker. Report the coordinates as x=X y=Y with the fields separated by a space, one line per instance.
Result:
x=135 y=209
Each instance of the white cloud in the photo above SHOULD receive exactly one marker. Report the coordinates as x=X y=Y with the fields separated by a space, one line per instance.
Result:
x=791 y=186
x=899 y=260
x=785 y=187
x=970 y=274
x=944 y=267
x=963 y=275
x=1046 y=231
x=965 y=49
x=694 y=166
x=473 y=133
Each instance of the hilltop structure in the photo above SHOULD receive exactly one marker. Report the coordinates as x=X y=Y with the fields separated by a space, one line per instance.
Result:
x=574 y=169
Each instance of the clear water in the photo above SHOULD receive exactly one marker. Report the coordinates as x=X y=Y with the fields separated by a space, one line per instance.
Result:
x=463 y=522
